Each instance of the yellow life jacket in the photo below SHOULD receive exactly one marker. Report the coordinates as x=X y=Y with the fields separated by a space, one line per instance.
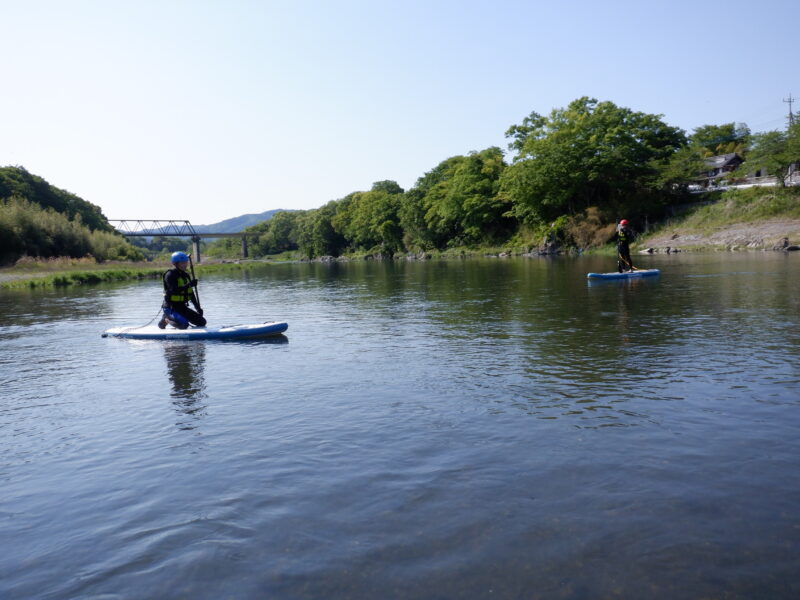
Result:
x=181 y=296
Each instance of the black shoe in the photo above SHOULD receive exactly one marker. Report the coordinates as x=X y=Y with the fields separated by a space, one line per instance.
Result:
x=162 y=324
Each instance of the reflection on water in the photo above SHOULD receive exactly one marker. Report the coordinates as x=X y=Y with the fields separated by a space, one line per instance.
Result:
x=465 y=429
x=186 y=363
x=185 y=369
x=273 y=340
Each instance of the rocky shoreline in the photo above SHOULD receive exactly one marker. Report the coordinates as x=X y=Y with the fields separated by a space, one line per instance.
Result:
x=777 y=234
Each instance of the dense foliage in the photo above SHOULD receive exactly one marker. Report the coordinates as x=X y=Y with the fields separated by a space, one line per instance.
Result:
x=775 y=152
x=157 y=246
x=722 y=139
x=27 y=229
x=37 y=219
x=589 y=154
x=573 y=172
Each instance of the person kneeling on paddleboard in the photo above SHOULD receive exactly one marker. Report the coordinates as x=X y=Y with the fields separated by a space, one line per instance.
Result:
x=624 y=236
x=179 y=290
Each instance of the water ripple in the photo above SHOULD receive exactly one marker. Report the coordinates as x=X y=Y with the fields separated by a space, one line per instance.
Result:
x=448 y=430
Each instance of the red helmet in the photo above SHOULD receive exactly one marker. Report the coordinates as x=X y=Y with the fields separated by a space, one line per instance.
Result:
x=623 y=222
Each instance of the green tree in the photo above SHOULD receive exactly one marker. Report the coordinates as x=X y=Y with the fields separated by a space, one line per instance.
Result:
x=675 y=174
x=420 y=199
x=388 y=186
x=531 y=126
x=774 y=152
x=463 y=205
x=722 y=139
x=281 y=233
x=316 y=235
x=588 y=154
x=370 y=220
x=112 y=246
x=416 y=235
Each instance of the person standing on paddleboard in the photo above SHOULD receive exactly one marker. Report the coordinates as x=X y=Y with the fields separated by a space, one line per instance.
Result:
x=179 y=290
x=624 y=236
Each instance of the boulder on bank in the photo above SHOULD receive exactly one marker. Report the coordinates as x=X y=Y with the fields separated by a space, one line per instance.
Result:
x=782 y=245
x=421 y=256
x=666 y=250
x=785 y=246
x=548 y=248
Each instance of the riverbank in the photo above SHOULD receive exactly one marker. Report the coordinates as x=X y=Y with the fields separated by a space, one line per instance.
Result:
x=765 y=235
x=753 y=219
x=63 y=272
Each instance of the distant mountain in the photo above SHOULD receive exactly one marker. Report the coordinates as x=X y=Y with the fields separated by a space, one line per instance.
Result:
x=237 y=224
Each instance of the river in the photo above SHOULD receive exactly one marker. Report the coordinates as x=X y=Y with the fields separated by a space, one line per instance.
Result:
x=462 y=429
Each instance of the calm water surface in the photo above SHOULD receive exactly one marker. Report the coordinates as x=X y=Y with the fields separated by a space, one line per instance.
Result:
x=442 y=430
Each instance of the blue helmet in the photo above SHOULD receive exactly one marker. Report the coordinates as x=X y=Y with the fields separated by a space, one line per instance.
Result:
x=179 y=257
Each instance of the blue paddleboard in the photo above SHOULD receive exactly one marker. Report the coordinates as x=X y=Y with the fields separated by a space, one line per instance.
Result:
x=626 y=275
x=232 y=332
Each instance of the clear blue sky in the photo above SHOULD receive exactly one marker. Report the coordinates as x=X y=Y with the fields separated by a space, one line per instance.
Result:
x=206 y=110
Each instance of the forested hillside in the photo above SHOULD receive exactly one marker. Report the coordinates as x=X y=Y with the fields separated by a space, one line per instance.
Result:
x=40 y=220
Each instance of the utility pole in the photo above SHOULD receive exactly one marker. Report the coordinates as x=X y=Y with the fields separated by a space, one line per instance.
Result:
x=791 y=114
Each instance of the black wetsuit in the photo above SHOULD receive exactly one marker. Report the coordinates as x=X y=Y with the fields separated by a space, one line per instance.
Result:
x=624 y=237
x=178 y=293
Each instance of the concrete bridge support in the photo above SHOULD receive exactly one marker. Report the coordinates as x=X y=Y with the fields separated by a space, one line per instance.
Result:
x=244 y=247
x=196 y=248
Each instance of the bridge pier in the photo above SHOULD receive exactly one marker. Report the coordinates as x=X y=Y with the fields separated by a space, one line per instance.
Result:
x=244 y=247
x=196 y=248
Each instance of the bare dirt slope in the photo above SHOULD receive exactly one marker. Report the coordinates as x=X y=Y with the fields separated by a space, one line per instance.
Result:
x=760 y=235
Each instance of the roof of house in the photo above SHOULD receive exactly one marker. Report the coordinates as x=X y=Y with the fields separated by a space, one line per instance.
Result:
x=722 y=159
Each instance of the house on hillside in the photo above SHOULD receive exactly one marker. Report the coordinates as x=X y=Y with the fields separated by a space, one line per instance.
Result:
x=794 y=174
x=718 y=167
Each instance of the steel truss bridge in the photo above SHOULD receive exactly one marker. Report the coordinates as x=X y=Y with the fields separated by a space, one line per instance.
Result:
x=171 y=228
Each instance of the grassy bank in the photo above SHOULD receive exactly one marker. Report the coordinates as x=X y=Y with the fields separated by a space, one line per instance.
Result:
x=754 y=218
x=79 y=278
x=744 y=206
x=62 y=272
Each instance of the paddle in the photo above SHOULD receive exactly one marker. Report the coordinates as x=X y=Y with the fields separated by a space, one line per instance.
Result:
x=630 y=266
x=196 y=295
